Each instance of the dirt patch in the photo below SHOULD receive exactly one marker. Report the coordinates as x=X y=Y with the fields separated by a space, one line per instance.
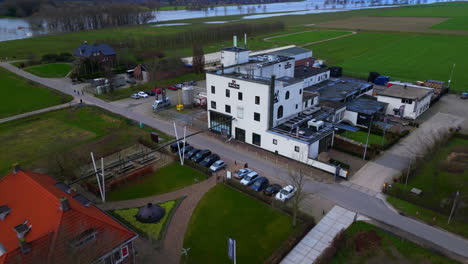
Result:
x=401 y=24
x=366 y=241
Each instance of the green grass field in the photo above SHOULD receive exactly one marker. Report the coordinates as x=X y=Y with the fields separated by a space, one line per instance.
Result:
x=18 y=95
x=456 y=12
x=32 y=141
x=401 y=56
x=167 y=179
x=390 y=249
x=53 y=70
x=308 y=37
x=224 y=212
x=361 y=136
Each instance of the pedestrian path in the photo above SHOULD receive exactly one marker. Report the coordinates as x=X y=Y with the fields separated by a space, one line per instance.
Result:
x=40 y=111
x=359 y=188
x=320 y=237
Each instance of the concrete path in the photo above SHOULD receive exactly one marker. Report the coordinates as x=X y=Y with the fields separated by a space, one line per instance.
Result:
x=395 y=160
x=40 y=111
x=320 y=237
x=348 y=198
x=173 y=242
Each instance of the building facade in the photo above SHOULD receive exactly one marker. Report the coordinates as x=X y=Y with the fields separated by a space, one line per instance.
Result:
x=406 y=101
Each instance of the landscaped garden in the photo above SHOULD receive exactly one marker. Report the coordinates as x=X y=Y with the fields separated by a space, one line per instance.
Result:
x=365 y=243
x=152 y=231
x=18 y=95
x=63 y=139
x=52 y=70
x=164 y=180
x=439 y=177
x=224 y=213
x=361 y=136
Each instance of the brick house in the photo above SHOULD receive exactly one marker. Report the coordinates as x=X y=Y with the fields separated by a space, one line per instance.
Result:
x=45 y=221
x=102 y=53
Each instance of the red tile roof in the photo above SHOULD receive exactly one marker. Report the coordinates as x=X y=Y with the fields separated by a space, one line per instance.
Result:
x=35 y=198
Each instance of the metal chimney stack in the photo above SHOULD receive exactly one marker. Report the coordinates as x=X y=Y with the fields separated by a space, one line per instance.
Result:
x=235 y=41
x=245 y=40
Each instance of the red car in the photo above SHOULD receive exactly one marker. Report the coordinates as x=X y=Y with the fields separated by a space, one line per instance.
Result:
x=157 y=90
x=172 y=87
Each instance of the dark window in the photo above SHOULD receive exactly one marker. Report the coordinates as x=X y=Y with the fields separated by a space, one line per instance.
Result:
x=84 y=238
x=228 y=93
x=287 y=95
x=407 y=101
x=296 y=106
x=227 y=108
x=239 y=96
x=256 y=116
x=296 y=148
x=280 y=112
x=256 y=139
x=275 y=142
x=300 y=91
x=213 y=104
x=213 y=89
x=257 y=100
x=307 y=103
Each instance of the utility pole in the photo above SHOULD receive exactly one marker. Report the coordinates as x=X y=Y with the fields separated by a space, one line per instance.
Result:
x=408 y=172
x=451 y=75
x=367 y=140
x=453 y=207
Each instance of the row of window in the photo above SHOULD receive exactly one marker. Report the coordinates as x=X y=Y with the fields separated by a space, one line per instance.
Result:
x=240 y=95
x=227 y=109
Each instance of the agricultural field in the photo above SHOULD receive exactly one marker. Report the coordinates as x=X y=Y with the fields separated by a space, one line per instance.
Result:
x=399 y=55
x=52 y=70
x=258 y=229
x=65 y=137
x=18 y=95
x=439 y=178
x=167 y=179
x=307 y=37
x=457 y=14
x=365 y=243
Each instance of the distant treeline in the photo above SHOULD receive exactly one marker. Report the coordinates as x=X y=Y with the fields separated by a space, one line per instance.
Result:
x=203 y=36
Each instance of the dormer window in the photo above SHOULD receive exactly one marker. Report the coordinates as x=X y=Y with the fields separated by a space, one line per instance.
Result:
x=4 y=211
x=22 y=229
x=84 y=238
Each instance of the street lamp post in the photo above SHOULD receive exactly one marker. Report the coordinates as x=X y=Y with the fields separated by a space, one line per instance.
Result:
x=453 y=207
x=367 y=140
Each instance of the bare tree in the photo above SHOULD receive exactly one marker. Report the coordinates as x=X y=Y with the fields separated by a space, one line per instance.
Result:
x=198 y=60
x=297 y=180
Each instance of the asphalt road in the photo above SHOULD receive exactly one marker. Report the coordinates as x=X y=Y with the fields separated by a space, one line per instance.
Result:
x=346 y=197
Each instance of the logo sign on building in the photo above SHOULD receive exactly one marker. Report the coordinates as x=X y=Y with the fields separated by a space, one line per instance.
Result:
x=288 y=65
x=234 y=85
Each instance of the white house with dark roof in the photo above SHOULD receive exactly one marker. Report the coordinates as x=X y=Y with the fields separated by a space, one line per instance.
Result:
x=406 y=101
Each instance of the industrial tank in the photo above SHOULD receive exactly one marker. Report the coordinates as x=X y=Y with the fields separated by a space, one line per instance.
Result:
x=187 y=96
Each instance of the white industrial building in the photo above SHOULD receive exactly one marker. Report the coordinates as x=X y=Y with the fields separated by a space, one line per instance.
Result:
x=259 y=100
x=406 y=100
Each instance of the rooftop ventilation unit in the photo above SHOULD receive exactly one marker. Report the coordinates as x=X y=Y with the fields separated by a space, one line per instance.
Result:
x=4 y=211
x=64 y=187
x=317 y=125
x=82 y=200
x=22 y=229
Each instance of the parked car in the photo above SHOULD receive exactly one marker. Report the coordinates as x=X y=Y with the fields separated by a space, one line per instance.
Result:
x=192 y=153
x=151 y=93
x=286 y=193
x=464 y=96
x=172 y=87
x=177 y=145
x=131 y=81
x=209 y=160
x=249 y=178
x=259 y=184
x=179 y=85
x=218 y=165
x=158 y=90
x=192 y=83
x=241 y=173
x=186 y=149
x=142 y=94
x=135 y=96
x=200 y=155
x=272 y=189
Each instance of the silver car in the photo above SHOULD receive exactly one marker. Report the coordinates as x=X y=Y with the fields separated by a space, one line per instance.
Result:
x=241 y=173
x=135 y=96
x=218 y=165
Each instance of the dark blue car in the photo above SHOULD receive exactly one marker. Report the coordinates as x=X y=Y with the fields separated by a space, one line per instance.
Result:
x=259 y=184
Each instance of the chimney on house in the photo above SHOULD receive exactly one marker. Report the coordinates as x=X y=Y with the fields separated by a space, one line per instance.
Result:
x=64 y=204
x=16 y=168
x=4 y=211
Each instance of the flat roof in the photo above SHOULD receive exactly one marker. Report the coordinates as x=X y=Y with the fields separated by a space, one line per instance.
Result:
x=306 y=72
x=406 y=92
x=235 y=49
x=338 y=89
x=286 y=81
x=366 y=105
x=335 y=105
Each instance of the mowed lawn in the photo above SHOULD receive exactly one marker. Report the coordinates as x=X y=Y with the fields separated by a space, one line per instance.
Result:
x=361 y=136
x=167 y=179
x=18 y=95
x=52 y=70
x=377 y=246
x=33 y=141
x=227 y=213
x=407 y=57
x=456 y=12
x=308 y=37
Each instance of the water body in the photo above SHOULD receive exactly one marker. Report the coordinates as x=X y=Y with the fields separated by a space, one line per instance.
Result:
x=15 y=28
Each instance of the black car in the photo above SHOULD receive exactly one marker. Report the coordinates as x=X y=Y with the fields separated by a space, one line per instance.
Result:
x=200 y=155
x=272 y=189
x=177 y=145
x=192 y=153
x=150 y=93
x=186 y=149
x=208 y=161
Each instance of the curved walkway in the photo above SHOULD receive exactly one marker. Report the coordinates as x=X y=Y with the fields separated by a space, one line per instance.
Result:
x=173 y=242
x=269 y=39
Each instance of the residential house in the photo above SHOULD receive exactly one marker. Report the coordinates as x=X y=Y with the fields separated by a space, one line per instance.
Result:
x=406 y=101
x=102 y=53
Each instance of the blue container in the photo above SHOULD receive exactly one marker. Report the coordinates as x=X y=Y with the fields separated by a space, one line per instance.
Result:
x=382 y=80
